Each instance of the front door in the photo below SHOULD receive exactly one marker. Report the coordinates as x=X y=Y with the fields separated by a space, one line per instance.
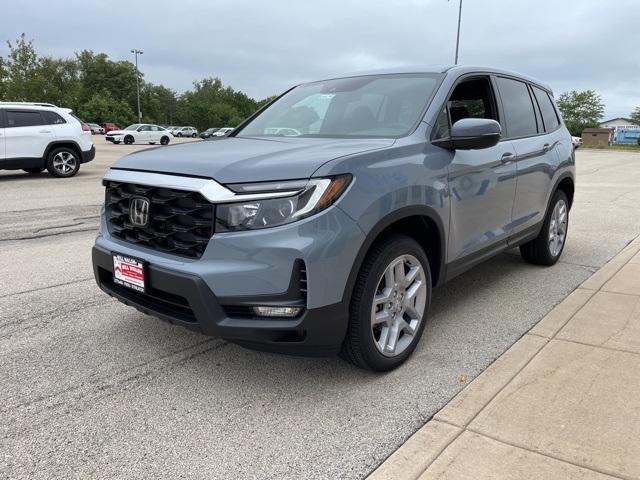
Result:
x=482 y=183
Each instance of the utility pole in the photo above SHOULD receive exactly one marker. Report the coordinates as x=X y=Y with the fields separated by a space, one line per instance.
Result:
x=458 y=37
x=137 y=52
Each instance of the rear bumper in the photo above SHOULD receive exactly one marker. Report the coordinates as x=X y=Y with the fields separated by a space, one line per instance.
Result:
x=187 y=300
x=89 y=155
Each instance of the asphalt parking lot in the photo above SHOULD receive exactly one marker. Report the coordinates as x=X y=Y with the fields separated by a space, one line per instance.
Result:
x=91 y=388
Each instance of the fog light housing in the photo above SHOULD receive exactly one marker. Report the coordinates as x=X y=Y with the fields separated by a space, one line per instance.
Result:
x=277 y=311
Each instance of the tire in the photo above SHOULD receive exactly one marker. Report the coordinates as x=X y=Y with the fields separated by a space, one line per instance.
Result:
x=547 y=247
x=128 y=140
x=365 y=344
x=63 y=162
x=194 y=135
x=164 y=141
x=179 y=135
x=33 y=170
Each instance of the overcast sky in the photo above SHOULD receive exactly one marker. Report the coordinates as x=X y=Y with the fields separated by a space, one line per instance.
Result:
x=263 y=47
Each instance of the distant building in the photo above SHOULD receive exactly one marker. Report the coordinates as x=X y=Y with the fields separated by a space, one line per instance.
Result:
x=626 y=135
x=596 y=137
x=618 y=122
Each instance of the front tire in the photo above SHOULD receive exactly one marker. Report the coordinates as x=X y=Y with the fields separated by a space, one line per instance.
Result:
x=179 y=135
x=128 y=140
x=389 y=304
x=547 y=247
x=63 y=162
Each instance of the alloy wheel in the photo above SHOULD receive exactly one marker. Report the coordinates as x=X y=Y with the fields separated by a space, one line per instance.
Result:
x=398 y=305
x=558 y=228
x=64 y=163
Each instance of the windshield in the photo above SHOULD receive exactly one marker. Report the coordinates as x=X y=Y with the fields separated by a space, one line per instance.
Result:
x=133 y=127
x=367 y=106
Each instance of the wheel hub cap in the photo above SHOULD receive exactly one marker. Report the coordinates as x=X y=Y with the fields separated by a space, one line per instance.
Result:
x=398 y=305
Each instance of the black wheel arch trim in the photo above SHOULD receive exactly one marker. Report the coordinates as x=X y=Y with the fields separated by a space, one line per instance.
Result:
x=393 y=217
x=556 y=185
x=62 y=143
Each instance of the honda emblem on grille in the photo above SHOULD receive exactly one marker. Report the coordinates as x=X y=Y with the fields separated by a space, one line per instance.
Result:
x=139 y=211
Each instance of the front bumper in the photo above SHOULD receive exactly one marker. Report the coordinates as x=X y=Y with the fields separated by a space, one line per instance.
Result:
x=186 y=299
x=90 y=155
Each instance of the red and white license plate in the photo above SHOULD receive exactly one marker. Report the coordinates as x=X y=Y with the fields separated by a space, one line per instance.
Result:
x=128 y=272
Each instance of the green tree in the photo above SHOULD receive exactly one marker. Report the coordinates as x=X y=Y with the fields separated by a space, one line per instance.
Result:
x=211 y=104
x=635 y=116
x=21 y=67
x=57 y=82
x=102 y=107
x=580 y=110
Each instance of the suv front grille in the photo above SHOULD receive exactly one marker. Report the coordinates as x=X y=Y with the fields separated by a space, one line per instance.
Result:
x=180 y=222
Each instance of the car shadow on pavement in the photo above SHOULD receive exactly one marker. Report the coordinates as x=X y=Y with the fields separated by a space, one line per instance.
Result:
x=472 y=301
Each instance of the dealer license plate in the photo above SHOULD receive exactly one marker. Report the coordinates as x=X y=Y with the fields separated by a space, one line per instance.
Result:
x=129 y=272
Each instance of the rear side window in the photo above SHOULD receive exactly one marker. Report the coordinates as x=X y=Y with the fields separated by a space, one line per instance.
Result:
x=549 y=115
x=52 y=118
x=518 y=108
x=23 y=118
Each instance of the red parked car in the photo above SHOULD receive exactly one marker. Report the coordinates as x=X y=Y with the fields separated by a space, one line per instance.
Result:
x=110 y=126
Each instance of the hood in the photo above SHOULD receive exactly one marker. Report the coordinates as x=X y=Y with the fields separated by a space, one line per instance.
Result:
x=120 y=132
x=236 y=160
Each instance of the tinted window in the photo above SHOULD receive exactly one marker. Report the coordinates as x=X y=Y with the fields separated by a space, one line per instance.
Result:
x=52 y=118
x=23 y=118
x=518 y=109
x=549 y=115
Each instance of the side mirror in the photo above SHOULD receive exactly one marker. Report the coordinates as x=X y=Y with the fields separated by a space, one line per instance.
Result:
x=472 y=134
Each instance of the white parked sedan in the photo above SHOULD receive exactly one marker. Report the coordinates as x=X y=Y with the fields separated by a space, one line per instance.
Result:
x=140 y=133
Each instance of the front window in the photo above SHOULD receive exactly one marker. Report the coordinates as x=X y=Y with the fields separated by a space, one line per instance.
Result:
x=367 y=106
x=133 y=127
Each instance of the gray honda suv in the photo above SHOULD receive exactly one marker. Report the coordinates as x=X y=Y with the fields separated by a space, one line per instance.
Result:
x=324 y=221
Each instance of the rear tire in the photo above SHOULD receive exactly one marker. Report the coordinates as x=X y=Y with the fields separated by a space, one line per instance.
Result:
x=389 y=304
x=164 y=141
x=63 y=162
x=33 y=170
x=194 y=135
x=179 y=135
x=547 y=247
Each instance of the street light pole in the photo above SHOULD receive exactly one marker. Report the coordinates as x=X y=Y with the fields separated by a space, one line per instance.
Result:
x=458 y=37
x=137 y=52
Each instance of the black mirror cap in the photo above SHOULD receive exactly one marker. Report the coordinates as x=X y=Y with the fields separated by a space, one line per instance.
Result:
x=472 y=134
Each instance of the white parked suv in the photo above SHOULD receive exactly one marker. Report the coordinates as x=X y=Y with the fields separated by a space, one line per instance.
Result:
x=140 y=133
x=223 y=132
x=35 y=136
x=185 y=132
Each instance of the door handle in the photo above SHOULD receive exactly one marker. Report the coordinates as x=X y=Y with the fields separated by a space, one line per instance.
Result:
x=545 y=148
x=45 y=131
x=507 y=158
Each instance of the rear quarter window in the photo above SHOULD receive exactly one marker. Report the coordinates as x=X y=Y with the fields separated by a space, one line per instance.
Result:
x=52 y=118
x=549 y=115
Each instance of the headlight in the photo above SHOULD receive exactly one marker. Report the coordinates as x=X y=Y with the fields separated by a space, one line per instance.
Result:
x=310 y=197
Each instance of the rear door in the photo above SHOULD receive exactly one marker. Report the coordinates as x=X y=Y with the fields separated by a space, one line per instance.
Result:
x=536 y=159
x=26 y=133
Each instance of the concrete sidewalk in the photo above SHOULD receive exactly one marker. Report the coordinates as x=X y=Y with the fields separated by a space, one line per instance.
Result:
x=562 y=402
